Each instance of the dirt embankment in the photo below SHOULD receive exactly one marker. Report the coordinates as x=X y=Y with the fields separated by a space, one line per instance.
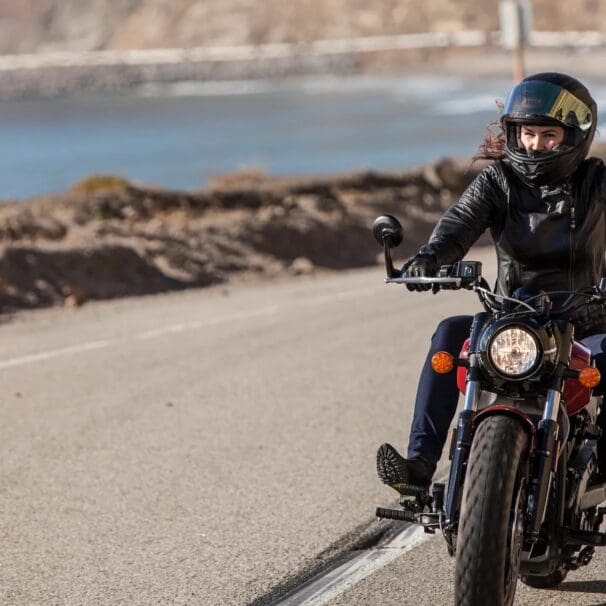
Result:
x=108 y=238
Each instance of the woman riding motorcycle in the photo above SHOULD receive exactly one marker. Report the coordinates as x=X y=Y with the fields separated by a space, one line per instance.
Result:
x=545 y=206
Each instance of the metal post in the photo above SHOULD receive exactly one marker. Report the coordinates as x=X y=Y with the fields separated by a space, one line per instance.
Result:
x=519 y=71
x=516 y=25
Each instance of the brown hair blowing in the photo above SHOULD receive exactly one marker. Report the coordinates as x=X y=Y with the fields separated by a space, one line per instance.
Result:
x=494 y=145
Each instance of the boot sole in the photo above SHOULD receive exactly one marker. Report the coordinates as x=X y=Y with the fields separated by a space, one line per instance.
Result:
x=390 y=467
x=394 y=471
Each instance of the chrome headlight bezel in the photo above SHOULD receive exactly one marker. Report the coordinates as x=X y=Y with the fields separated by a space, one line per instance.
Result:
x=498 y=331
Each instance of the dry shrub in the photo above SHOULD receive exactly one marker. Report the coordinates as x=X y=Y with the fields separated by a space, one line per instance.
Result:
x=100 y=183
x=242 y=177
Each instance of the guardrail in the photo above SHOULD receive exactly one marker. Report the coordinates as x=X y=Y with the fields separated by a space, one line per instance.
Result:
x=571 y=39
x=575 y=39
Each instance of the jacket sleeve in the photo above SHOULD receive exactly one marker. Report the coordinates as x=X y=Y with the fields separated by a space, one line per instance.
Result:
x=481 y=206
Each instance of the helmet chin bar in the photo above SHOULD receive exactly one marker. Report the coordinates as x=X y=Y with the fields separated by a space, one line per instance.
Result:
x=544 y=168
x=534 y=154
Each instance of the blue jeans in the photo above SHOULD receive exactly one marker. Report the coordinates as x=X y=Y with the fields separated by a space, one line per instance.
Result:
x=438 y=395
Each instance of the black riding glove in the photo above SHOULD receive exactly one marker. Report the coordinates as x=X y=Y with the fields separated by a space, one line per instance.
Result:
x=420 y=266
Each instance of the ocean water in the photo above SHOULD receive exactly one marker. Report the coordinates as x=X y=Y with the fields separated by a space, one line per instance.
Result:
x=182 y=135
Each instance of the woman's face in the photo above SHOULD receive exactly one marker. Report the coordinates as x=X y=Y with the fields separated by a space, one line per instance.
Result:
x=540 y=138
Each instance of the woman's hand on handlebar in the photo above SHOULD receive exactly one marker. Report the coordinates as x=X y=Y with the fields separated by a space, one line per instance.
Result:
x=420 y=266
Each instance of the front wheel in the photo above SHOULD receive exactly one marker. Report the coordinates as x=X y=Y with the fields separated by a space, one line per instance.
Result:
x=492 y=509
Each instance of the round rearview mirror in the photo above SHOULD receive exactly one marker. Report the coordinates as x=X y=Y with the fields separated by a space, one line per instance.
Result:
x=389 y=227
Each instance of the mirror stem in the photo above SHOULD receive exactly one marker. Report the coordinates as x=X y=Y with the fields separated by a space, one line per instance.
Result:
x=392 y=272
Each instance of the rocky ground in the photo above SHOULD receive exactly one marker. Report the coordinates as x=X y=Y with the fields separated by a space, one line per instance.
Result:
x=108 y=238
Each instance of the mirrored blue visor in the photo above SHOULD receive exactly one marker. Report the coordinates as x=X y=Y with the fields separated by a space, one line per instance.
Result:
x=541 y=100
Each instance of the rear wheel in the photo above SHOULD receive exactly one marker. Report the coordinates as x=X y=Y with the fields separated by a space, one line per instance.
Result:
x=491 y=520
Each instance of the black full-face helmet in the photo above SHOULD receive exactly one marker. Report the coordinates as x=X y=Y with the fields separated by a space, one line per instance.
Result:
x=549 y=99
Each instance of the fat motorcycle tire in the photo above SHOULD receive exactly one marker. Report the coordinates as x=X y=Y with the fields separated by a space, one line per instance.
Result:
x=487 y=565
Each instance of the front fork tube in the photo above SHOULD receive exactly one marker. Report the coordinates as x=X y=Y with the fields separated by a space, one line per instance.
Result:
x=463 y=445
x=464 y=425
x=545 y=457
x=547 y=443
x=457 y=468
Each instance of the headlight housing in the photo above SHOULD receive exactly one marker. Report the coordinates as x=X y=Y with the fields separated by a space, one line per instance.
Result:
x=514 y=352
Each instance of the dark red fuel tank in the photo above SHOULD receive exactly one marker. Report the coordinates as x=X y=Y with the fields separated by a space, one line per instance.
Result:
x=461 y=370
x=575 y=395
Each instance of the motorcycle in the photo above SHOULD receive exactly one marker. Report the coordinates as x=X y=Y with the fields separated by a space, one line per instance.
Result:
x=523 y=491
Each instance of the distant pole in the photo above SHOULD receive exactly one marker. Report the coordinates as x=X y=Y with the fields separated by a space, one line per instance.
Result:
x=519 y=64
x=516 y=25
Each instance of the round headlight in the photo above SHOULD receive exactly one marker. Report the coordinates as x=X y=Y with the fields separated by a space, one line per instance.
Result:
x=514 y=351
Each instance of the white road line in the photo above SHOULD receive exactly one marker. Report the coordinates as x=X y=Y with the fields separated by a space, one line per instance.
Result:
x=326 y=588
x=174 y=329
x=53 y=353
x=150 y=334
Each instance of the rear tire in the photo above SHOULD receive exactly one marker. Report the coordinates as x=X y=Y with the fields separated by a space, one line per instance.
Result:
x=491 y=520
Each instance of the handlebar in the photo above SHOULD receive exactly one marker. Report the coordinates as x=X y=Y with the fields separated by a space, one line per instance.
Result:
x=468 y=274
x=424 y=280
x=462 y=274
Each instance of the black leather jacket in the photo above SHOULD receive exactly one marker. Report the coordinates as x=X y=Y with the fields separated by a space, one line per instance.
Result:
x=545 y=238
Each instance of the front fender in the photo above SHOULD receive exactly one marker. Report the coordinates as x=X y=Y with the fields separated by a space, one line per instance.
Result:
x=510 y=411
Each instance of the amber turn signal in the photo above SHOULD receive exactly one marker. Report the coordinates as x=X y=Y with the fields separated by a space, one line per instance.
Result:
x=442 y=362
x=589 y=377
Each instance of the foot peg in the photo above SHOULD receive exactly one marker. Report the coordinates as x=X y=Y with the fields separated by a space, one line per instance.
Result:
x=396 y=514
x=435 y=502
x=412 y=490
x=424 y=509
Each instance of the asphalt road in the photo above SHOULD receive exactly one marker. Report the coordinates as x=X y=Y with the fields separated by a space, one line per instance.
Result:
x=204 y=447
